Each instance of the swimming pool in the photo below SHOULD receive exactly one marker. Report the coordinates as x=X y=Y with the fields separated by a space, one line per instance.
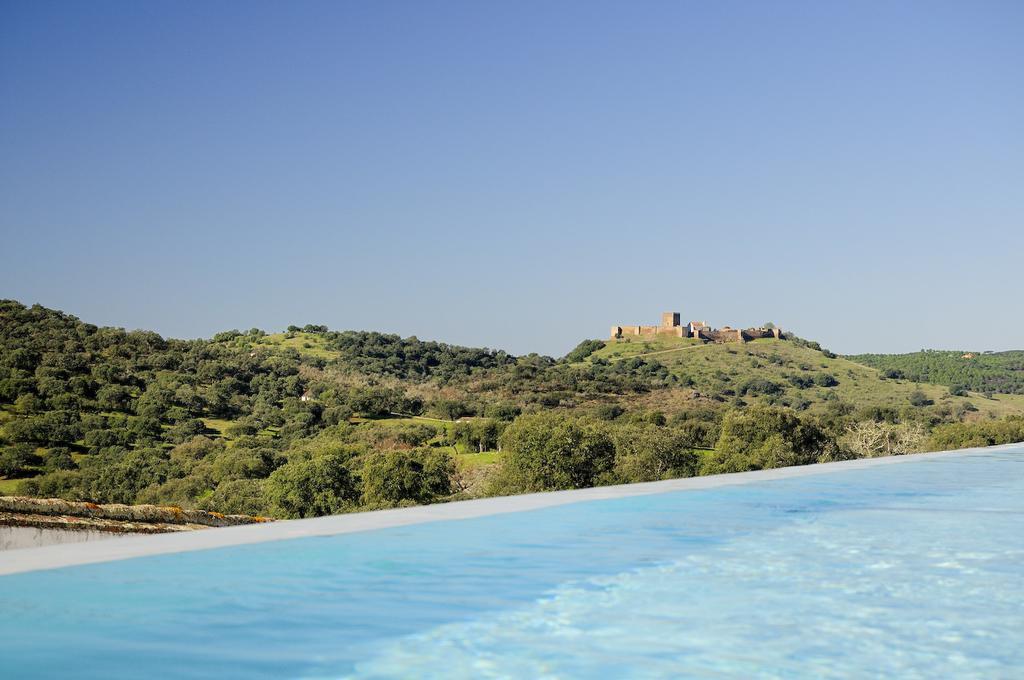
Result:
x=913 y=569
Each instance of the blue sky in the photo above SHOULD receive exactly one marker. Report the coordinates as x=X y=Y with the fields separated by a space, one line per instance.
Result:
x=519 y=174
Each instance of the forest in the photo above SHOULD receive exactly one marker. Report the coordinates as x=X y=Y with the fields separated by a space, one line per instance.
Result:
x=312 y=421
x=986 y=372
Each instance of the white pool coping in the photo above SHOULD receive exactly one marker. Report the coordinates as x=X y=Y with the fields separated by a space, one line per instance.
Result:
x=122 y=548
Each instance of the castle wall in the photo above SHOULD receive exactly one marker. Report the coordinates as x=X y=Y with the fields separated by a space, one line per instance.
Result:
x=647 y=331
x=670 y=325
x=739 y=334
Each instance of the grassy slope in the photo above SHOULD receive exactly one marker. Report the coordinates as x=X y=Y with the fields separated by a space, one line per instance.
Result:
x=717 y=367
x=655 y=346
x=309 y=344
x=9 y=487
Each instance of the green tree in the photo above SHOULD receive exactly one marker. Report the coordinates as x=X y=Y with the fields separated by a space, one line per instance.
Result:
x=16 y=459
x=645 y=453
x=237 y=497
x=583 y=350
x=761 y=438
x=398 y=477
x=317 y=486
x=59 y=458
x=549 y=451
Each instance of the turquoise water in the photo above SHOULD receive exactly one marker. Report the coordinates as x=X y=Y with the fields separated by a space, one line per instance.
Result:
x=907 y=570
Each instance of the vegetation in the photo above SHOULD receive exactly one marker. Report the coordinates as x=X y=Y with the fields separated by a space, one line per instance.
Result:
x=311 y=421
x=986 y=372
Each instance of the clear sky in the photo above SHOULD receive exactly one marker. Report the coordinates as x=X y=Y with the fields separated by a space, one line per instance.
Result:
x=519 y=174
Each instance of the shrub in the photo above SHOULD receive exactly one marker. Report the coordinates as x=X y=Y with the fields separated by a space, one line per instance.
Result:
x=825 y=380
x=984 y=433
x=761 y=386
x=645 y=453
x=583 y=350
x=919 y=399
x=16 y=459
x=609 y=411
x=237 y=497
x=404 y=477
x=313 y=487
x=761 y=438
x=548 y=451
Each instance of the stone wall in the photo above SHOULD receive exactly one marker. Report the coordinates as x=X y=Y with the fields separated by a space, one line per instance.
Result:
x=647 y=331
x=29 y=522
x=670 y=325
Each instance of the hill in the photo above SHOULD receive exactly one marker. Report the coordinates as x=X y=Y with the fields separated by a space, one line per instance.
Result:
x=312 y=421
x=774 y=372
x=987 y=372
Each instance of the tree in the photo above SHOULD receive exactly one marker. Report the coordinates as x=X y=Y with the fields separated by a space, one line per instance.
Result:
x=15 y=459
x=186 y=430
x=480 y=434
x=59 y=458
x=117 y=476
x=398 y=477
x=871 y=438
x=242 y=463
x=237 y=497
x=761 y=438
x=451 y=409
x=113 y=398
x=583 y=350
x=645 y=453
x=314 y=487
x=549 y=451
x=28 y=403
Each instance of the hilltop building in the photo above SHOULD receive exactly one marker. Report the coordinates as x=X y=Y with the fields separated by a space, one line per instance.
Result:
x=671 y=325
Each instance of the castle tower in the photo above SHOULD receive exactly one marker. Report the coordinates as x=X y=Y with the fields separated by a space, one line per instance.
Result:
x=669 y=319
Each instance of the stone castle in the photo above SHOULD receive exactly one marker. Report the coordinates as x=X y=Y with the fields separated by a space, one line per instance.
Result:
x=670 y=325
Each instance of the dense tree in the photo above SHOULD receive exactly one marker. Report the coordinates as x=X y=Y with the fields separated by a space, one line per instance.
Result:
x=977 y=371
x=16 y=459
x=983 y=433
x=546 y=452
x=760 y=438
x=645 y=453
x=399 y=477
x=583 y=350
x=323 y=485
x=480 y=434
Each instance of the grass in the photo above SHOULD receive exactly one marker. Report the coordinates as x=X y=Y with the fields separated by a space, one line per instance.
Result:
x=9 y=487
x=480 y=459
x=308 y=344
x=626 y=348
x=218 y=425
x=718 y=368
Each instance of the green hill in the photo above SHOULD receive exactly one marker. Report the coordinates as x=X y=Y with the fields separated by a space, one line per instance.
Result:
x=990 y=372
x=780 y=372
x=312 y=421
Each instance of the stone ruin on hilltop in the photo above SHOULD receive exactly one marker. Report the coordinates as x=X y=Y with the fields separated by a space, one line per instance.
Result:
x=700 y=330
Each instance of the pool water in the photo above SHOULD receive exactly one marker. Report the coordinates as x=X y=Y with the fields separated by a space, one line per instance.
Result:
x=913 y=569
